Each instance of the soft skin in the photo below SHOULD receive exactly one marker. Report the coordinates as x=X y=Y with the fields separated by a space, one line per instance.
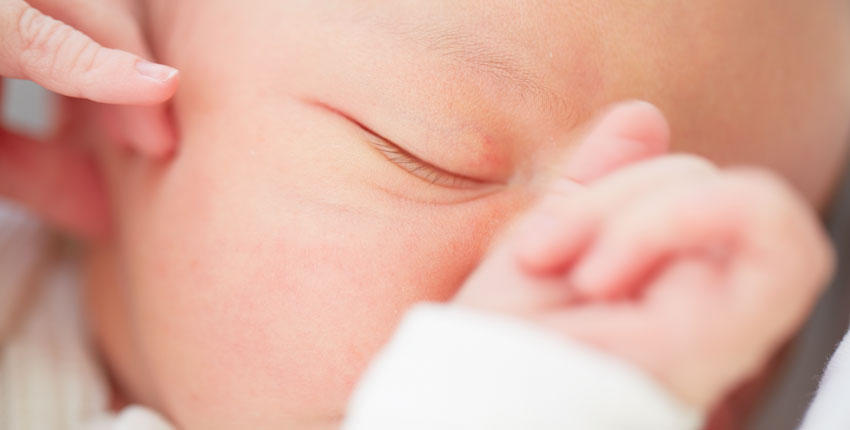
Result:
x=251 y=278
x=693 y=273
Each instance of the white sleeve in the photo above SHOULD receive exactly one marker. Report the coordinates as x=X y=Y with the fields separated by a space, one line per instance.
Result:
x=829 y=409
x=448 y=368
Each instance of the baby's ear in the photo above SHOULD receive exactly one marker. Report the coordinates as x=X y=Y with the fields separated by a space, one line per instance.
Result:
x=624 y=134
x=149 y=130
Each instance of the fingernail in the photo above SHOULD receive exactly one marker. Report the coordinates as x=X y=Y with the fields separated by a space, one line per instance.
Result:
x=155 y=71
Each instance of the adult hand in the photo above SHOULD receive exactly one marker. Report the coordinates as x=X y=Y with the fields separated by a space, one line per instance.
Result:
x=63 y=59
x=53 y=178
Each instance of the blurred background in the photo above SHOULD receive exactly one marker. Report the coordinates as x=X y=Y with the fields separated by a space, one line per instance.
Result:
x=27 y=107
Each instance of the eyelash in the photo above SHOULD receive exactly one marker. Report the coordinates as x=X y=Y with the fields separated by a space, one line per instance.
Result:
x=417 y=167
x=405 y=160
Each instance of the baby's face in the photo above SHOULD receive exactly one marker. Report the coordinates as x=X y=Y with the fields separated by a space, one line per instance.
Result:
x=342 y=160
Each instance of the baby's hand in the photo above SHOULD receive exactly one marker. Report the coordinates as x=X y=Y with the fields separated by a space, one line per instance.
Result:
x=694 y=274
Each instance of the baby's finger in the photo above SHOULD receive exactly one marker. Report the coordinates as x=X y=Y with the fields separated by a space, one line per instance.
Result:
x=624 y=134
x=558 y=229
x=64 y=60
x=627 y=133
x=686 y=336
x=731 y=217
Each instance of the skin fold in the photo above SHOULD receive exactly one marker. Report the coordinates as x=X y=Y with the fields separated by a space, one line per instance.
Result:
x=340 y=161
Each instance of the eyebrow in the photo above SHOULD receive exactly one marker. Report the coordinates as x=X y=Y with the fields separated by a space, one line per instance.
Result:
x=484 y=57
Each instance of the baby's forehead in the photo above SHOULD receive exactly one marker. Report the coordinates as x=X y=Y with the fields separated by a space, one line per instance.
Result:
x=562 y=59
x=542 y=46
x=454 y=56
x=511 y=59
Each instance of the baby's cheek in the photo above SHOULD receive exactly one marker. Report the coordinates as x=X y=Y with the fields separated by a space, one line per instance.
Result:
x=280 y=316
x=328 y=298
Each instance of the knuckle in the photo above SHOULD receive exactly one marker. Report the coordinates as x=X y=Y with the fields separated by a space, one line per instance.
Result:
x=83 y=54
x=50 y=46
x=26 y=22
x=36 y=31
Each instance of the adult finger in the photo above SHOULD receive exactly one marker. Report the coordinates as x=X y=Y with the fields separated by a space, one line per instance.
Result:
x=117 y=24
x=112 y=23
x=63 y=59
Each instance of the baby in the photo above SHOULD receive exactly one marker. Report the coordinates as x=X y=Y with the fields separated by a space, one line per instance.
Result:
x=341 y=161
x=691 y=273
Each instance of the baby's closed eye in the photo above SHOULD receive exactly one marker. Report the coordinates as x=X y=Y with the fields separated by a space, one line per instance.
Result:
x=428 y=173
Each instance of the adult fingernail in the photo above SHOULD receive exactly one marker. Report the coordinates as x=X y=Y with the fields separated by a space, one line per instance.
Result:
x=155 y=71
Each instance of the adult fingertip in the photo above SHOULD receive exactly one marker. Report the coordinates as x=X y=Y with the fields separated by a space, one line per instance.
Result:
x=157 y=72
x=67 y=61
x=123 y=78
x=155 y=83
